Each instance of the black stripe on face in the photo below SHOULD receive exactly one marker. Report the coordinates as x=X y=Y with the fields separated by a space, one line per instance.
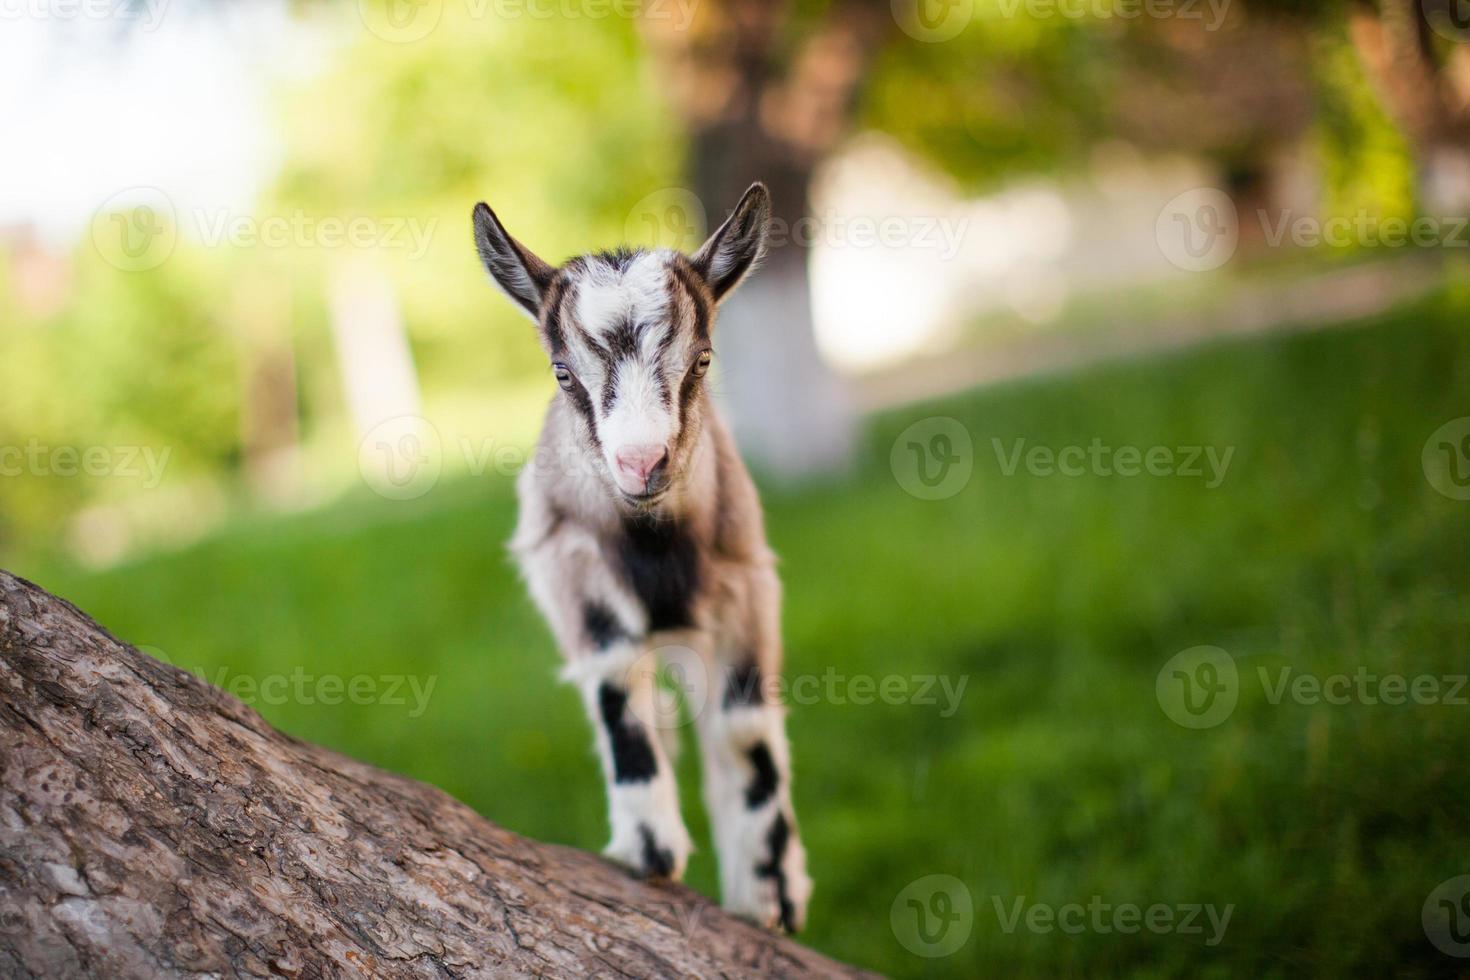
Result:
x=689 y=390
x=632 y=755
x=776 y=843
x=583 y=403
x=763 y=785
x=685 y=278
x=552 y=328
x=622 y=343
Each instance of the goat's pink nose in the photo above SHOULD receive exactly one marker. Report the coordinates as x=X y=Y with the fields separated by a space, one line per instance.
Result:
x=640 y=461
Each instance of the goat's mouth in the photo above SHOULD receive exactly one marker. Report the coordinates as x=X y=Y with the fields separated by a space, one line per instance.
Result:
x=647 y=499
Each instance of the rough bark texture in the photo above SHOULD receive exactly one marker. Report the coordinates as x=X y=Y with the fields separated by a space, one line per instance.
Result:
x=152 y=825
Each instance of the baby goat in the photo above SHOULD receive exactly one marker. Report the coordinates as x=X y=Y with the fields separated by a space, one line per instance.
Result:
x=646 y=536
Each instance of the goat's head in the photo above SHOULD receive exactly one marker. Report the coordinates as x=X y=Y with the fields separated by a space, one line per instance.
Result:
x=628 y=334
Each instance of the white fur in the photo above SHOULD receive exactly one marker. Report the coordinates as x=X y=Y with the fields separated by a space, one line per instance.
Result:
x=608 y=298
x=739 y=832
x=654 y=804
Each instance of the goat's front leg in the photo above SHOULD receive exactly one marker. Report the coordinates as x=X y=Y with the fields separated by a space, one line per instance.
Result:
x=747 y=787
x=616 y=679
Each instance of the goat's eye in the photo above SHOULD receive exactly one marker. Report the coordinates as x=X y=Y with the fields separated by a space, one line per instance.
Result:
x=563 y=376
x=701 y=363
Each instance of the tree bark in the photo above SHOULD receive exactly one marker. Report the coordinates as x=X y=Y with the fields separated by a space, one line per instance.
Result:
x=152 y=825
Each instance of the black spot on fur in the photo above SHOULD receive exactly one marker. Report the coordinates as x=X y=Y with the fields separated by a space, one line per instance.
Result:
x=776 y=842
x=633 y=760
x=658 y=861
x=659 y=561
x=601 y=626
x=742 y=686
x=763 y=785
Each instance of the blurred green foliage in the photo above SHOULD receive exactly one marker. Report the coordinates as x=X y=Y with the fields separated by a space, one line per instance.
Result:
x=558 y=124
x=1056 y=599
x=562 y=125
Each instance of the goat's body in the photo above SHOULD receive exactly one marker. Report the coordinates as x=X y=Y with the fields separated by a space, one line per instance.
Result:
x=693 y=583
x=641 y=540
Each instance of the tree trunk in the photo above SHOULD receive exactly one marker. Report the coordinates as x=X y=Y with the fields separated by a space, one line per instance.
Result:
x=758 y=108
x=152 y=825
x=791 y=415
x=1427 y=95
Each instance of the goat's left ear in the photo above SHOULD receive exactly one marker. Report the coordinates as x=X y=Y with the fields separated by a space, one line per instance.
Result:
x=738 y=245
x=516 y=269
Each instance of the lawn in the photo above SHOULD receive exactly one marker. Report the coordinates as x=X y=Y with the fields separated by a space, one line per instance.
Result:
x=1054 y=775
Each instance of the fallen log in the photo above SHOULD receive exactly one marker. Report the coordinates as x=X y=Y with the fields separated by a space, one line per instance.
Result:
x=152 y=825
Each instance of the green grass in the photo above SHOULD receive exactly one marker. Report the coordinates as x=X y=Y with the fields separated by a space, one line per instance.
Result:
x=1056 y=599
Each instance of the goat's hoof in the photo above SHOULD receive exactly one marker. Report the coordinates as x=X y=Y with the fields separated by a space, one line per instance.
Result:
x=773 y=903
x=659 y=854
x=773 y=913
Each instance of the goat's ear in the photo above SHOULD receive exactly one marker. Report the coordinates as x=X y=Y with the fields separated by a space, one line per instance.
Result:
x=738 y=245
x=516 y=269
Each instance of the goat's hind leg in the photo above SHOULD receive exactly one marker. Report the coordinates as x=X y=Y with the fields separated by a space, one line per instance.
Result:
x=747 y=784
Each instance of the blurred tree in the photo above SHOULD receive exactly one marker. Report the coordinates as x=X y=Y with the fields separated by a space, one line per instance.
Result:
x=766 y=89
x=1416 y=56
x=1415 y=52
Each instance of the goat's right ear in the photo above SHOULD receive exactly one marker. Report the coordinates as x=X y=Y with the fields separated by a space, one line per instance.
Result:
x=516 y=269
